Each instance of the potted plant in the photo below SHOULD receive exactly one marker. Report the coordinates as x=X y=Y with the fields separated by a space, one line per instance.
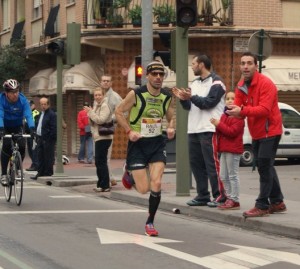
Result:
x=121 y=3
x=116 y=20
x=207 y=13
x=224 y=19
x=135 y=15
x=164 y=14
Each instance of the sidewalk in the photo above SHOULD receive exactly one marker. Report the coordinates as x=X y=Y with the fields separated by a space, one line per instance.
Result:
x=82 y=178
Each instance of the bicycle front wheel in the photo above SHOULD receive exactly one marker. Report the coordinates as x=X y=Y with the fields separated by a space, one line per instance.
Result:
x=19 y=178
x=8 y=187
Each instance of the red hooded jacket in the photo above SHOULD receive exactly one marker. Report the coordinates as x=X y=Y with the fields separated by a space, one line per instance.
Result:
x=259 y=103
x=230 y=132
x=82 y=121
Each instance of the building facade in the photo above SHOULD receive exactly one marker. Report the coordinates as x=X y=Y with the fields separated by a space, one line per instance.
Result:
x=110 y=41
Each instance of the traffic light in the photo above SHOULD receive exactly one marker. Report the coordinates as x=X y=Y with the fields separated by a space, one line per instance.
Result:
x=165 y=57
x=138 y=70
x=56 y=47
x=186 y=13
x=73 y=43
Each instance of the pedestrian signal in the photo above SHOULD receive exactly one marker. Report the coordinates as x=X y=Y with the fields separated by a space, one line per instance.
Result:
x=138 y=70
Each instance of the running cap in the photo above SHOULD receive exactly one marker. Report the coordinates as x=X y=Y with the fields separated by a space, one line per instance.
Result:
x=155 y=66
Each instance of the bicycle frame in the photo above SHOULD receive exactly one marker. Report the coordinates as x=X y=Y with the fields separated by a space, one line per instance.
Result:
x=15 y=175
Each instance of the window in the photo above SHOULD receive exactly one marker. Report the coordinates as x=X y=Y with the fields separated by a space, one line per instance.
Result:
x=37 y=9
x=290 y=12
x=5 y=15
x=70 y=1
x=290 y=119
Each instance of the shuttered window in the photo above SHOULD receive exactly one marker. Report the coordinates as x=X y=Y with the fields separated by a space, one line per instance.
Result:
x=5 y=15
x=37 y=9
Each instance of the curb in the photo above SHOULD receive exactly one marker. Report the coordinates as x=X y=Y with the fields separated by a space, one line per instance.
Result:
x=66 y=181
x=230 y=218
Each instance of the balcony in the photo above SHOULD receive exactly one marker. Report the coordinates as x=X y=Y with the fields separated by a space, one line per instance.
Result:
x=125 y=13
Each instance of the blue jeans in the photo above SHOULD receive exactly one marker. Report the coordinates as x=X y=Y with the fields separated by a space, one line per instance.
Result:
x=86 y=145
x=229 y=172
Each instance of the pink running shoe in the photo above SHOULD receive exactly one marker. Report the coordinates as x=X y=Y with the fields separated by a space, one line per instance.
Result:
x=127 y=179
x=150 y=230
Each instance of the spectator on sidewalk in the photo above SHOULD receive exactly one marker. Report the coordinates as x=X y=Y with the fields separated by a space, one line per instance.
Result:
x=100 y=114
x=46 y=138
x=113 y=100
x=86 y=139
x=230 y=132
x=204 y=100
x=32 y=152
x=146 y=151
x=256 y=98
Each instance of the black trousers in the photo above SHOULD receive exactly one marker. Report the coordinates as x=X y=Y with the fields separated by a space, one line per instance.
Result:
x=264 y=153
x=45 y=155
x=101 y=149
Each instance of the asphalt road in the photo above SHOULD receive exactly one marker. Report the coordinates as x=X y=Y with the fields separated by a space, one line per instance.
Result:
x=59 y=228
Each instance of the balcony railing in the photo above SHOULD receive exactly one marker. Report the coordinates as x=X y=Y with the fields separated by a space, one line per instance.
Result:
x=125 y=13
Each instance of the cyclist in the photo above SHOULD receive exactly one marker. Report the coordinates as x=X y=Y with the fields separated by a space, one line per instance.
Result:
x=14 y=107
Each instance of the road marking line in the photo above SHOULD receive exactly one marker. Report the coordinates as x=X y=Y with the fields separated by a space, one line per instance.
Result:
x=72 y=211
x=66 y=196
x=14 y=260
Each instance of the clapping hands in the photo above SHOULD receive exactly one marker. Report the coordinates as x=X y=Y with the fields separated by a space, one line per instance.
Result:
x=182 y=93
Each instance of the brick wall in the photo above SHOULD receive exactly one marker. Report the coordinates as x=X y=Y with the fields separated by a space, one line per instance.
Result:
x=263 y=13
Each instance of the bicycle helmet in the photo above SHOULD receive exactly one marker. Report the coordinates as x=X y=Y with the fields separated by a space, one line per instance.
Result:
x=11 y=85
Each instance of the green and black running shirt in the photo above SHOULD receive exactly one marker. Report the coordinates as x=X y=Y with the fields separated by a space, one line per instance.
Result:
x=147 y=113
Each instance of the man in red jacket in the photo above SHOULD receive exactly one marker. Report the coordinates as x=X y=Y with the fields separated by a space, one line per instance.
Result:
x=256 y=98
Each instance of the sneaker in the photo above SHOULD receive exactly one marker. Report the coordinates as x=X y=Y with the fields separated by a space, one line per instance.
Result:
x=127 y=179
x=105 y=190
x=102 y=190
x=196 y=203
x=256 y=212
x=97 y=189
x=4 y=180
x=229 y=204
x=217 y=201
x=150 y=230
x=277 y=208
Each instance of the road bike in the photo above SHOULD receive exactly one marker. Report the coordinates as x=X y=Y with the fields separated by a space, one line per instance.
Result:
x=15 y=173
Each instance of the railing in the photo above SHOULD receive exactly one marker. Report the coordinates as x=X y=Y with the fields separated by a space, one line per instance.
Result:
x=125 y=13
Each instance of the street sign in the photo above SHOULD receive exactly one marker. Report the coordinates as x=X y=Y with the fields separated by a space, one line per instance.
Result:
x=260 y=40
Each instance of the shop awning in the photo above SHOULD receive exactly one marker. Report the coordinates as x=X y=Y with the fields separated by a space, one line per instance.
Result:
x=84 y=76
x=38 y=84
x=52 y=88
x=284 y=71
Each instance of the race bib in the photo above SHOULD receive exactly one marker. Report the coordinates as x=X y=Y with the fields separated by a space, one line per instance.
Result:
x=150 y=127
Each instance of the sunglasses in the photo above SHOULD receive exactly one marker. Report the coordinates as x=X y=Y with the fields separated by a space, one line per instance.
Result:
x=155 y=74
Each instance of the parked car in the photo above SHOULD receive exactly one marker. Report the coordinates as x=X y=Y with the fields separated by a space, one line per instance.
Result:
x=289 y=146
